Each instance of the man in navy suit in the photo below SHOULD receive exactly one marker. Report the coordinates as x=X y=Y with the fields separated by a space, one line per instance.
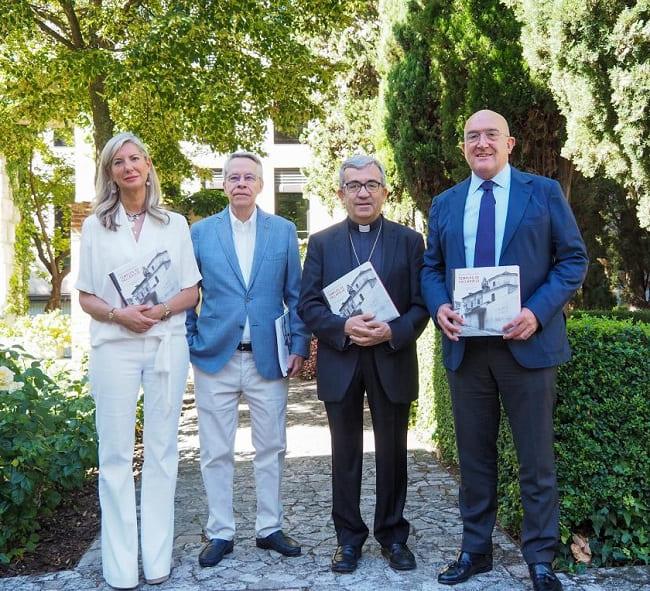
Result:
x=360 y=354
x=532 y=226
x=251 y=272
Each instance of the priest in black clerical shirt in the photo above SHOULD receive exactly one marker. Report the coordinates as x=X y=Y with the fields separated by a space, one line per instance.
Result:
x=361 y=355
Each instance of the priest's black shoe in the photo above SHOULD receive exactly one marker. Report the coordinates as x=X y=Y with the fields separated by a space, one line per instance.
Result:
x=279 y=542
x=346 y=558
x=399 y=556
x=543 y=577
x=466 y=565
x=214 y=551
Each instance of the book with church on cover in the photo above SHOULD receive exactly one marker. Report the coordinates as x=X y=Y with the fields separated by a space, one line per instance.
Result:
x=148 y=279
x=358 y=292
x=486 y=298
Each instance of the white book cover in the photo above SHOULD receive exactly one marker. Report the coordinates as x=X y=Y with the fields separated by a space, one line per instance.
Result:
x=358 y=292
x=146 y=280
x=486 y=298
x=283 y=339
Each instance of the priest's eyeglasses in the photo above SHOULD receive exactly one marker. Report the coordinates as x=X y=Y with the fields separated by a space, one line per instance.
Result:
x=354 y=187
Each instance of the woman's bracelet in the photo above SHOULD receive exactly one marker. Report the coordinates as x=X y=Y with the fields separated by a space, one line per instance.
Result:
x=167 y=312
x=111 y=315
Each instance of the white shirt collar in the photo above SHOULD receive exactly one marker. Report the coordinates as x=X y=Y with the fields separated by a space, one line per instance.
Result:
x=501 y=179
x=238 y=225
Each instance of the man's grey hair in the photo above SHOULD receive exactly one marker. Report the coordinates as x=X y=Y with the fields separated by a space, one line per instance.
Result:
x=357 y=162
x=243 y=154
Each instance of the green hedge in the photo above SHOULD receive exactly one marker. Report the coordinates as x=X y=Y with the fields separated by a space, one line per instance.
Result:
x=615 y=314
x=47 y=446
x=602 y=441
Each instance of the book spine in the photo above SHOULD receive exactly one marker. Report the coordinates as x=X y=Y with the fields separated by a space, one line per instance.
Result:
x=116 y=283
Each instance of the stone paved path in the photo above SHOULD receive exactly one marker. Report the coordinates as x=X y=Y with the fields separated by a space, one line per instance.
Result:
x=431 y=508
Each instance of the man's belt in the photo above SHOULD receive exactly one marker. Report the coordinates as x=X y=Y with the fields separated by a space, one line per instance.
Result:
x=245 y=347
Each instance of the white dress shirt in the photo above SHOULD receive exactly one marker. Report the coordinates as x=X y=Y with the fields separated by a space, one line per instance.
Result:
x=243 y=235
x=501 y=191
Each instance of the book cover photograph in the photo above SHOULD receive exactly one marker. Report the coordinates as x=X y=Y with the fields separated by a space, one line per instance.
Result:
x=487 y=298
x=358 y=292
x=146 y=280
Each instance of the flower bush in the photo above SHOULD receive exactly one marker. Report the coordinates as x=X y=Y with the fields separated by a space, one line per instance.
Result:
x=46 y=336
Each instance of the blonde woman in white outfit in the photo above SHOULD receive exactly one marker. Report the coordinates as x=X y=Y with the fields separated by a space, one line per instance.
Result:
x=135 y=346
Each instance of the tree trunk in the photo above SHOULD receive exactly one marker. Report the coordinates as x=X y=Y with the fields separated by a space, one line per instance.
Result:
x=54 y=303
x=102 y=122
x=566 y=170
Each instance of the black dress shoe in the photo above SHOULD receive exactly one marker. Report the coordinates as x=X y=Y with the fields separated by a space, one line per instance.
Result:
x=279 y=542
x=466 y=565
x=214 y=551
x=399 y=556
x=543 y=577
x=345 y=558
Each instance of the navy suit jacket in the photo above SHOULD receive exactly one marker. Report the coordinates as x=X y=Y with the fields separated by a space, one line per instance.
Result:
x=226 y=300
x=541 y=236
x=329 y=257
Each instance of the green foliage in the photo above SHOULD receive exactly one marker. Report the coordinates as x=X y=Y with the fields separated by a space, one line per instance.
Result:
x=448 y=63
x=615 y=314
x=212 y=71
x=47 y=446
x=594 y=57
x=444 y=436
x=201 y=204
x=348 y=107
x=602 y=448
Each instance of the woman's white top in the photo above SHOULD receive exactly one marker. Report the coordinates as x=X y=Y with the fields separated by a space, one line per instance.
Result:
x=103 y=251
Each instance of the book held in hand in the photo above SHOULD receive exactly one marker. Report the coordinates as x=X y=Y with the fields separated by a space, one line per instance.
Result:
x=283 y=341
x=486 y=298
x=146 y=280
x=358 y=292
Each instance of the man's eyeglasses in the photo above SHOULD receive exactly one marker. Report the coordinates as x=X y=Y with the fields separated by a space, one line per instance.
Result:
x=492 y=135
x=235 y=179
x=354 y=187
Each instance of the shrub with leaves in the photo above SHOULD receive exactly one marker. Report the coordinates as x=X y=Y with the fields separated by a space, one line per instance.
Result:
x=47 y=446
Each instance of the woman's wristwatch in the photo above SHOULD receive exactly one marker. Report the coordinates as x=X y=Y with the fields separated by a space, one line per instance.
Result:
x=111 y=315
x=167 y=312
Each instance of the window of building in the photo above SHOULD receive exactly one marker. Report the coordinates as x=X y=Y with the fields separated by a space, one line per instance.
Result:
x=290 y=202
x=216 y=181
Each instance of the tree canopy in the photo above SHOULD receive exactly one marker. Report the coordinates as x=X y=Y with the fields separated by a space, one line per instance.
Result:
x=212 y=71
x=595 y=58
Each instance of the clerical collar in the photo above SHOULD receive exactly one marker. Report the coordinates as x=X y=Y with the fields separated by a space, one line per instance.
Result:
x=364 y=228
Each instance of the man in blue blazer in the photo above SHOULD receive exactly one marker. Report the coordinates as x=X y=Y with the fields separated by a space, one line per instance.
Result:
x=531 y=225
x=361 y=355
x=251 y=273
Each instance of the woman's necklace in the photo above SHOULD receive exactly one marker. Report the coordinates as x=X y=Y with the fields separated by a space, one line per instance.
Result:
x=354 y=250
x=133 y=217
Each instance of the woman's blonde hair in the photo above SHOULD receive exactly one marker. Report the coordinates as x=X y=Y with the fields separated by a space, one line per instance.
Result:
x=107 y=193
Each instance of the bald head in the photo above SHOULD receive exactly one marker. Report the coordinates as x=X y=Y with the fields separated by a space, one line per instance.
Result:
x=487 y=144
x=494 y=118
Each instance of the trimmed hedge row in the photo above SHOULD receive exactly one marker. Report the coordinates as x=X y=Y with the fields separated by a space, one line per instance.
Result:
x=602 y=441
x=47 y=446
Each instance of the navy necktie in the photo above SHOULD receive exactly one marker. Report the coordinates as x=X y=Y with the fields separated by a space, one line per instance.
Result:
x=484 y=249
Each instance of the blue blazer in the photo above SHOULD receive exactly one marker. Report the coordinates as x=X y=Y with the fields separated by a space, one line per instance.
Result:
x=214 y=333
x=541 y=236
